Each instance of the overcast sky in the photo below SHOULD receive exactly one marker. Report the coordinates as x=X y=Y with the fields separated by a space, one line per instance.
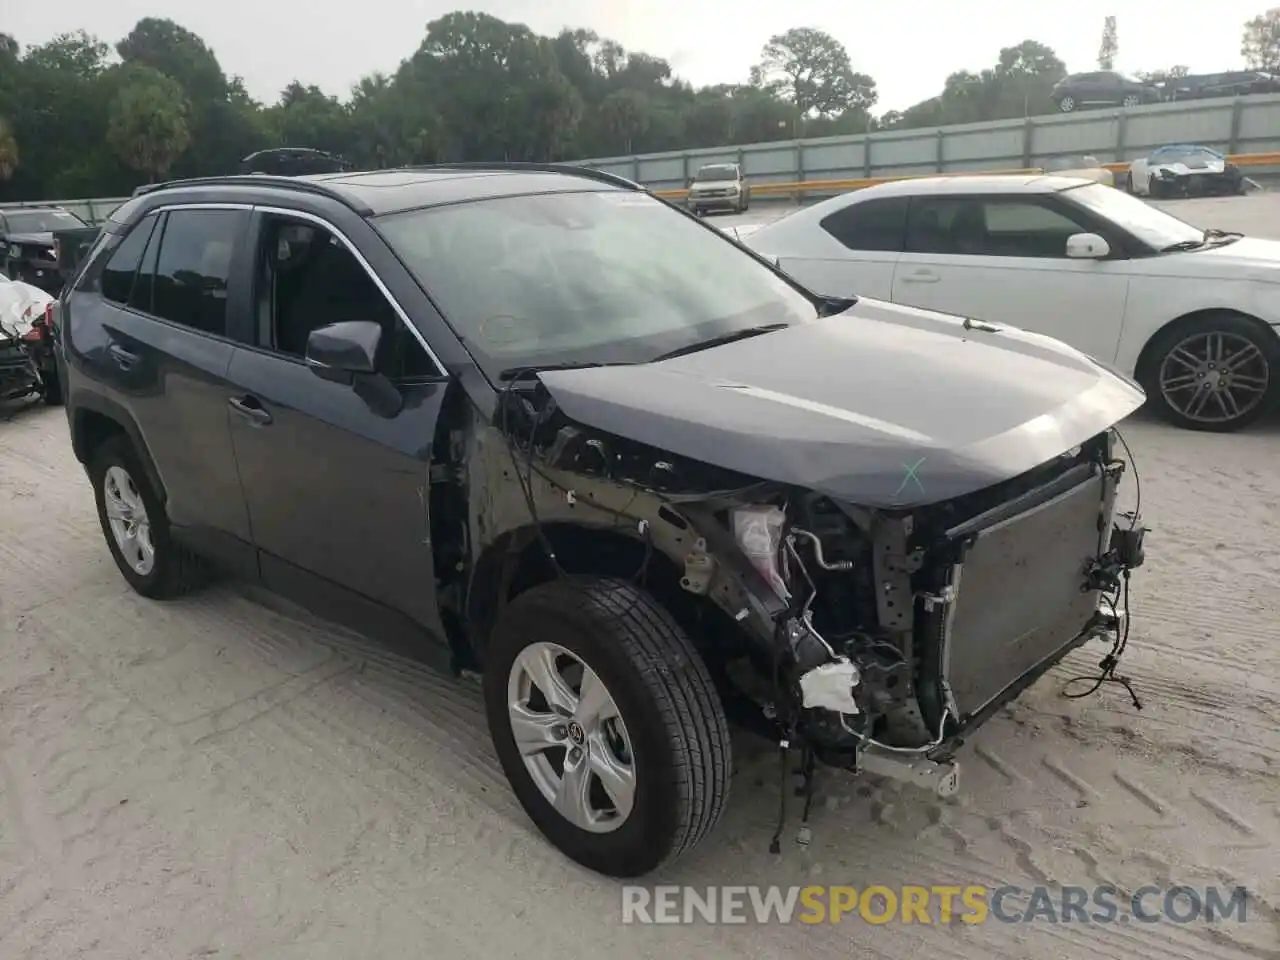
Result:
x=908 y=46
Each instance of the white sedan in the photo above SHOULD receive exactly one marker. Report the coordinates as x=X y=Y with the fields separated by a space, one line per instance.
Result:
x=1191 y=314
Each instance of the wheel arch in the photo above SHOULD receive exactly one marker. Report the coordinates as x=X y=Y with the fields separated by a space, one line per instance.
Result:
x=516 y=561
x=95 y=419
x=1147 y=356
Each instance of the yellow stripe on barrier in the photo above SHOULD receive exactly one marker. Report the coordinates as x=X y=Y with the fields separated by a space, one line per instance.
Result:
x=840 y=186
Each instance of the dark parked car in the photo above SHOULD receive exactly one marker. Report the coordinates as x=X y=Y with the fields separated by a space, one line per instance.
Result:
x=293 y=162
x=542 y=422
x=1233 y=83
x=28 y=250
x=1102 y=88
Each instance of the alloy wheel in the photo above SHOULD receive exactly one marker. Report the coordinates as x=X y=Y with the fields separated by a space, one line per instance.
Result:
x=1067 y=104
x=127 y=517
x=1132 y=100
x=1214 y=377
x=571 y=737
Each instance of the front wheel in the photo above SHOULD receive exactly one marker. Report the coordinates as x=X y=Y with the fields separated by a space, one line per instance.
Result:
x=1128 y=182
x=1132 y=100
x=607 y=724
x=1067 y=104
x=1216 y=375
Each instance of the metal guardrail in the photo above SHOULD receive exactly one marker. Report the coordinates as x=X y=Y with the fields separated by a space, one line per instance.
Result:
x=799 y=188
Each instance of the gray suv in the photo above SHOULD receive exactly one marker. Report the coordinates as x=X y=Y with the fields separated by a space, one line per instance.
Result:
x=535 y=422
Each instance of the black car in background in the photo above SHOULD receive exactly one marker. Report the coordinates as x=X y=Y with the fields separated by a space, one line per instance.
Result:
x=1232 y=83
x=27 y=252
x=1102 y=88
x=294 y=162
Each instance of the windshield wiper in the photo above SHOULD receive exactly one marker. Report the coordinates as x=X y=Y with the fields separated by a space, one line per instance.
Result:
x=524 y=373
x=721 y=340
x=1183 y=245
x=1225 y=236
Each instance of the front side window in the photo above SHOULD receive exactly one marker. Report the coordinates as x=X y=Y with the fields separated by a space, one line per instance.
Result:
x=872 y=225
x=600 y=276
x=988 y=227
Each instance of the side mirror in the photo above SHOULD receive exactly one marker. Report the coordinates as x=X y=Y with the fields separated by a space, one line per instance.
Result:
x=347 y=353
x=340 y=352
x=1087 y=246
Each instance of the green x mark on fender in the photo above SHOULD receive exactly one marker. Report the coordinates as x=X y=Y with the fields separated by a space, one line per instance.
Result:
x=909 y=476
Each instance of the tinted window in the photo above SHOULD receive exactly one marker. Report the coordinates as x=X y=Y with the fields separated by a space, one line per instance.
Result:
x=144 y=285
x=194 y=267
x=874 y=225
x=122 y=266
x=988 y=227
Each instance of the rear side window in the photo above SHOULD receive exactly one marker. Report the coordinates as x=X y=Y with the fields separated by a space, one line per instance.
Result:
x=122 y=266
x=873 y=225
x=192 y=268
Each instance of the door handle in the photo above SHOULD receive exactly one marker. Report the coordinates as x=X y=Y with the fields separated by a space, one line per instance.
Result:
x=250 y=409
x=123 y=358
x=921 y=276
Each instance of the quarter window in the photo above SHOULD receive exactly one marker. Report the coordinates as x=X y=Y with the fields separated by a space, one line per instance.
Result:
x=122 y=266
x=873 y=225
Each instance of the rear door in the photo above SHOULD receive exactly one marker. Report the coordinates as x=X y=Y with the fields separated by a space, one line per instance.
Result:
x=853 y=252
x=156 y=325
x=338 y=493
x=1003 y=259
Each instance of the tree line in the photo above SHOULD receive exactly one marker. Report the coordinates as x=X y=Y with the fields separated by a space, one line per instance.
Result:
x=81 y=118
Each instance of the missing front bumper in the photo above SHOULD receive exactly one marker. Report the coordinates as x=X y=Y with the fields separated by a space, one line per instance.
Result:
x=1018 y=599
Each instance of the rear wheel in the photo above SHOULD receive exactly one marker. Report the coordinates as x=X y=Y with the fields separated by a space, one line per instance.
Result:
x=1217 y=374
x=136 y=527
x=607 y=724
x=1132 y=100
x=1128 y=182
x=1067 y=104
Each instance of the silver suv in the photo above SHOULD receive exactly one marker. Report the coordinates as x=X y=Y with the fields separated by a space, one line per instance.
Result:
x=719 y=186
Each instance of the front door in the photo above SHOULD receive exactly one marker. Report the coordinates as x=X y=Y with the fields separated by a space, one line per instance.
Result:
x=337 y=493
x=1003 y=260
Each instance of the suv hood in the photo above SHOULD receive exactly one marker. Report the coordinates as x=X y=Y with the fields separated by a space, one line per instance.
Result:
x=882 y=405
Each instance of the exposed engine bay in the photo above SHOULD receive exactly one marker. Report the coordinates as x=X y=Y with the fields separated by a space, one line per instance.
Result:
x=870 y=639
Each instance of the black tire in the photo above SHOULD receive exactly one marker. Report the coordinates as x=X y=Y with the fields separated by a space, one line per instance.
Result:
x=51 y=389
x=1066 y=104
x=1235 y=326
x=1128 y=182
x=176 y=571
x=679 y=736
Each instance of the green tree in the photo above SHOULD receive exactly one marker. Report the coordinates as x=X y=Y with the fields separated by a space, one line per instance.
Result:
x=812 y=69
x=1110 y=45
x=8 y=150
x=148 y=121
x=1260 y=45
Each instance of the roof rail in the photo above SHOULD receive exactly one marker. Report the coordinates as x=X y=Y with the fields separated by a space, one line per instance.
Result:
x=314 y=187
x=568 y=169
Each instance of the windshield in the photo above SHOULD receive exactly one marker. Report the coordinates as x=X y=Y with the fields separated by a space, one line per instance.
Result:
x=1150 y=225
x=1174 y=154
x=41 y=221
x=721 y=172
x=609 y=277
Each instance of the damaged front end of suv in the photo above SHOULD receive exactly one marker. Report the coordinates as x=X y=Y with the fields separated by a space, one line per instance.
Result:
x=868 y=598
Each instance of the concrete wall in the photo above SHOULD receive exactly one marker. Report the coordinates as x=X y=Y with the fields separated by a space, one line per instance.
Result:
x=1240 y=126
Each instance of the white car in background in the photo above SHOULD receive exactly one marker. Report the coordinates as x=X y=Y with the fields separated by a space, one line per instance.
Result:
x=1192 y=314
x=1183 y=170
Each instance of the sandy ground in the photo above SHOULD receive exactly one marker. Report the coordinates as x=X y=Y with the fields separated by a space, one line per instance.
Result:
x=223 y=777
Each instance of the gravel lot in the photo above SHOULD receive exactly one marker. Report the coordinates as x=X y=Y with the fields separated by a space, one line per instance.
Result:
x=225 y=777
